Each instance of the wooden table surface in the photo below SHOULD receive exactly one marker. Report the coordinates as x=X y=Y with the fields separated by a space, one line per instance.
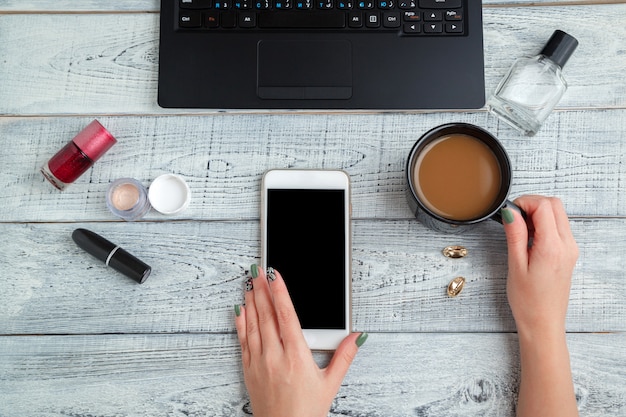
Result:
x=77 y=339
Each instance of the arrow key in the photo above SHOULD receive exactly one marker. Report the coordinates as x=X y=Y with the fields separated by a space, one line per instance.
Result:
x=454 y=27
x=433 y=16
x=433 y=28
x=411 y=28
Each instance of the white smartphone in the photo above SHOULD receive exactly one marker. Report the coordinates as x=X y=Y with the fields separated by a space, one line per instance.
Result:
x=305 y=232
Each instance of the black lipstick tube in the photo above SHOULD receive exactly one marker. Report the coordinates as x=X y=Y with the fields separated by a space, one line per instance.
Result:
x=111 y=254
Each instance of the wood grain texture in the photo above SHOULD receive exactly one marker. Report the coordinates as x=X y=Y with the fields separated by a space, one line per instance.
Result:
x=39 y=6
x=74 y=64
x=399 y=278
x=83 y=341
x=199 y=375
x=578 y=156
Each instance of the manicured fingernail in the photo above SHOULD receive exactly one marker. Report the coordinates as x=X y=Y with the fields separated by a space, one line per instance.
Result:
x=237 y=310
x=271 y=274
x=361 y=339
x=248 y=284
x=254 y=271
x=507 y=215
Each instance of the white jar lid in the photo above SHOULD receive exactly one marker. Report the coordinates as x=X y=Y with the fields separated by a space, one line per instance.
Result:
x=169 y=194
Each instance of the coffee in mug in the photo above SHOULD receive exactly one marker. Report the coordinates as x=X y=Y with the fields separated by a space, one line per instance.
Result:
x=458 y=174
x=458 y=177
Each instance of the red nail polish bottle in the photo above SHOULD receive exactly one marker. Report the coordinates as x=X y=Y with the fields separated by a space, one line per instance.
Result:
x=78 y=155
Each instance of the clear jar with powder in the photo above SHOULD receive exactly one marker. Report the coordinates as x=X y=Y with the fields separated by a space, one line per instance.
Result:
x=128 y=198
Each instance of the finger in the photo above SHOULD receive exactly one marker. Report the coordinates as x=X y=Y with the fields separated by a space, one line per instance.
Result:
x=542 y=214
x=268 y=327
x=562 y=221
x=343 y=357
x=240 y=324
x=517 y=236
x=564 y=227
x=286 y=317
x=253 y=336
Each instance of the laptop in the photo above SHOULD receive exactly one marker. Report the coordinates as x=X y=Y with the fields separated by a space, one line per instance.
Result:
x=321 y=54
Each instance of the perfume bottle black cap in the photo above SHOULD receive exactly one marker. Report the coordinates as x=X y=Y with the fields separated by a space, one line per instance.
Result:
x=560 y=47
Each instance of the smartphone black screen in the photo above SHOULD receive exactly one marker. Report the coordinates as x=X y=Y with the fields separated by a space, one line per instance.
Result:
x=306 y=243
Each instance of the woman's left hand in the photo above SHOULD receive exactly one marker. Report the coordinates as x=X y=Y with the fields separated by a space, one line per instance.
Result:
x=280 y=373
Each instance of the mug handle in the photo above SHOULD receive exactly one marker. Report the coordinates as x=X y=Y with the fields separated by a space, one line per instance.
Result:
x=508 y=204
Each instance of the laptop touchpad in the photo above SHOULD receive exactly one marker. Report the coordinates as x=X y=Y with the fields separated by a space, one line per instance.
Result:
x=304 y=69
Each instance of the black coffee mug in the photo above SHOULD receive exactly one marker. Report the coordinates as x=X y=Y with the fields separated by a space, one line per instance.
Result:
x=464 y=164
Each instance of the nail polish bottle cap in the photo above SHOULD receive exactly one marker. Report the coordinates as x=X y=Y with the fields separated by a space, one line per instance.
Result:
x=169 y=194
x=94 y=140
x=560 y=47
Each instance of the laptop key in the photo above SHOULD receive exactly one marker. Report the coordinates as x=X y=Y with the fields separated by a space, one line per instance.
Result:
x=391 y=20
x=194 y=4
x=304 y=4
x=282 y=4
x=372 y=20
x=222 y=4
x=355 y=20
x=454 y=27
x=247 y=19
x=228 y=20
x=454 y=15
x=440 y=4
x=412 y=28
x=411 y=16
x=293 y=20
x=325 y=4
x=433 y=28
x=212 y=19
x=190 y=20
x=434 y=16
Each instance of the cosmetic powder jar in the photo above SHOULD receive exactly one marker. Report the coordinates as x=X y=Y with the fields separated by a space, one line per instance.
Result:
x=169 y=194
x=128 y=198
x=78 y=155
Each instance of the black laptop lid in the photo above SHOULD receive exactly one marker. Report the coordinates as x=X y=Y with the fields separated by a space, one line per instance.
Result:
x=203 y=66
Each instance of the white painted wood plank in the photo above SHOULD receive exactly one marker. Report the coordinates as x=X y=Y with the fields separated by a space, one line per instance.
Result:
x=74 y=64
x=579 y=156
x=45 y=6
x=50 y=286
x=193 y=375
x=65 y=63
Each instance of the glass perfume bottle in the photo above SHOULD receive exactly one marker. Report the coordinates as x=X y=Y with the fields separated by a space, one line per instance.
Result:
x=533 y=86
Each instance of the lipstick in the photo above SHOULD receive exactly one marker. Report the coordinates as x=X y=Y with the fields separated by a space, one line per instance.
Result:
x=111 y=254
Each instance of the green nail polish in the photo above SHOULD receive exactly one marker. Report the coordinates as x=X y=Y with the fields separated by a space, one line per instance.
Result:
x=237 y=310
x=254 y=271
x=507 y=216
x=361 y=339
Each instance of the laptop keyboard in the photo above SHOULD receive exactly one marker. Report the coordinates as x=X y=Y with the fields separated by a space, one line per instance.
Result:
x=408 y=17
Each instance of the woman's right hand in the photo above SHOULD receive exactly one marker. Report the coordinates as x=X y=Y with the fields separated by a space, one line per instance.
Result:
x=538 y=287
x=540 y=276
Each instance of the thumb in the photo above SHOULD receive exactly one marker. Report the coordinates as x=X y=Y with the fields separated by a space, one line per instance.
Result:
x=516 y=232
x=343 y=357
